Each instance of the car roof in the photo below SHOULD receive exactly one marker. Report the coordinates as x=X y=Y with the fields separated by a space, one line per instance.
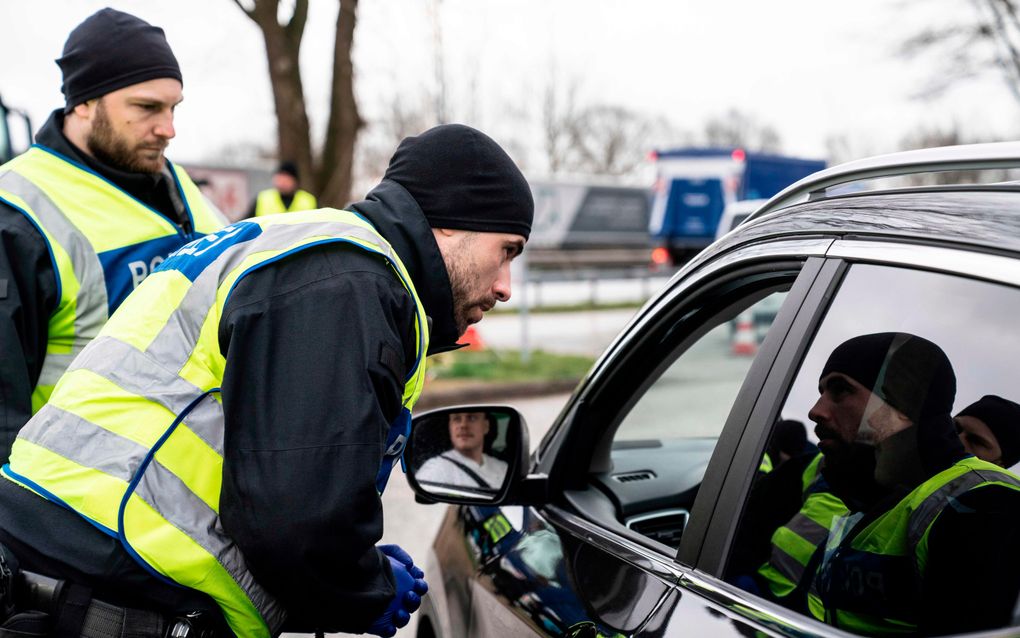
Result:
x=985 y=218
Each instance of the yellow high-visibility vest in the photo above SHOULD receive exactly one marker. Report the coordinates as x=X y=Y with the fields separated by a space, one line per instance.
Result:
x=871 y=583
x=796 y=542
x=269 y=202
x=132 y=437
x=102 y=241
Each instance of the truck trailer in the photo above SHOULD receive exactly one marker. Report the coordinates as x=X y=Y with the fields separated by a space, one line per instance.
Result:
x=694 y=185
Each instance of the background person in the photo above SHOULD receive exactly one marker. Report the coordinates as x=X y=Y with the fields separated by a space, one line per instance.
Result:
x=466 y=464
x=990 y=430
x=91 y=208
x=284 y=196
x=265 y=505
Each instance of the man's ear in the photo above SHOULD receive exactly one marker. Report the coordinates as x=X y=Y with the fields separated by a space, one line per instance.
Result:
x=84 y=110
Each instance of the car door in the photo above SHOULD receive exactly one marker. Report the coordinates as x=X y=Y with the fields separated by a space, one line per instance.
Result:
x=636 y=463
x=965 y=302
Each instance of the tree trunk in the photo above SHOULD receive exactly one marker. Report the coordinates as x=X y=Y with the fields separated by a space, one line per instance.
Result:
x=283 y=48
x=336 y=161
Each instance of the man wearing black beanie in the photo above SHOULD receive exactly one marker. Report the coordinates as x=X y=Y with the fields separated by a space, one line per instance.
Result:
x=990 y=430
x=312 y=330
x=91 y=208
x=946 y=516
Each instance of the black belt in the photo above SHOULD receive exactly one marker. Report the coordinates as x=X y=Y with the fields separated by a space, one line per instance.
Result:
x=70 y=611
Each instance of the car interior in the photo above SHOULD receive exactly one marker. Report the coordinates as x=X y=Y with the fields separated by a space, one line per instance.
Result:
x=648 y=465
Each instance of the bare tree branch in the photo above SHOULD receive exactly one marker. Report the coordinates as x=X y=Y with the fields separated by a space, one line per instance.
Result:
x=295 y=27
x=337 y=159
x=247 y=12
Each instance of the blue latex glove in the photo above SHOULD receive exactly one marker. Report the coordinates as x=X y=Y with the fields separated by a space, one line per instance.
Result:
x=410 y=585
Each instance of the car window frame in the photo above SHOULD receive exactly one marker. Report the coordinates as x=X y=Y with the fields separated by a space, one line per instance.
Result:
x=706 y=579
x=568 y=477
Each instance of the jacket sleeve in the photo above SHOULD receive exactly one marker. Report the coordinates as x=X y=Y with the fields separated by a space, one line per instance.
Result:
x=28 y=295
x=315 y=349
x=972 y=578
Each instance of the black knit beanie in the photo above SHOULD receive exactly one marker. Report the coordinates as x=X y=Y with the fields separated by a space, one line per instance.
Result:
x=462 y=179
x=908 y=372
x=110 y=50
x=1003 y=418
x=914 y=376
x=289 y=168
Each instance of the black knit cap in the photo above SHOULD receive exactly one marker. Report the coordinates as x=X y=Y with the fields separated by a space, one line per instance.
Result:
x=908 y=372
x=111 y=50
x=1003 y=418
x=462 y=179
x=914 y=376
x=289 y=168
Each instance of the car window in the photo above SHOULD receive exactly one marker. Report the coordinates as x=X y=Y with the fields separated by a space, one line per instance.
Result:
x=872 y=491
x=664 y=442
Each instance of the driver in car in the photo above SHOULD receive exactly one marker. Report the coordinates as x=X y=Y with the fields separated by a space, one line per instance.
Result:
x=939 y=552
x=466 y=464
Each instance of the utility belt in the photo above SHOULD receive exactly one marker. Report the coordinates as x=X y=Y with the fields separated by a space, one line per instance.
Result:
x=33 y=605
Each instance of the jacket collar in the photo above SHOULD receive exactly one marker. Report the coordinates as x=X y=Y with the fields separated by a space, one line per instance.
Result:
x=398 y=218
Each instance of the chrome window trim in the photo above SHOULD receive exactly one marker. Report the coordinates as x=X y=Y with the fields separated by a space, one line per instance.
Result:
x=748 y=607
x=956 y=261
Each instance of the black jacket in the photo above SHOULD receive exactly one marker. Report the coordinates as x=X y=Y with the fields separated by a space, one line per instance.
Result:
x=317 y=348
x=28 y=285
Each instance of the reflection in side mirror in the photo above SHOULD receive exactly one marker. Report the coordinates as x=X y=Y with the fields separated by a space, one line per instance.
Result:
x=466 y=454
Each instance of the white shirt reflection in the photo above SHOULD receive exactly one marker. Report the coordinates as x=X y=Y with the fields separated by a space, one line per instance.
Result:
x=453 y=468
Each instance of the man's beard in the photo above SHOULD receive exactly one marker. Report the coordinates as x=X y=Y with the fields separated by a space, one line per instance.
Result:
x=463 y=281
x=113 y=150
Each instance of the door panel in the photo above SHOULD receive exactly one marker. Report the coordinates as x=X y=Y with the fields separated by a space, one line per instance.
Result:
x=543 y=579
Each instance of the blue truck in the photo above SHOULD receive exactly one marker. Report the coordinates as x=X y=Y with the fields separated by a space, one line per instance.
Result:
x=694 y=185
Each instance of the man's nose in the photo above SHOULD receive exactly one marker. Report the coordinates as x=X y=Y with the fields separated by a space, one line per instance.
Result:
x=165 y=127
x=818 y=412
x=501 y=287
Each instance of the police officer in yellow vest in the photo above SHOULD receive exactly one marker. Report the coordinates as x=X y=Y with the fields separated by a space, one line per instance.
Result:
x=940 y=551
x=92 y=208
x=222 y=445
x=284 y=196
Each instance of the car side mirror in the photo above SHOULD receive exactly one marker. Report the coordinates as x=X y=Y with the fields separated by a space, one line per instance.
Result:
x=469 y=454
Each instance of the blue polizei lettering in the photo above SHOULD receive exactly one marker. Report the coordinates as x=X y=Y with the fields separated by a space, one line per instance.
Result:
x=125 y=268
x=191 y=259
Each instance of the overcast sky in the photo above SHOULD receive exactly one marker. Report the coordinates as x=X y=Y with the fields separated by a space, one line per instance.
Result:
x=811 y=69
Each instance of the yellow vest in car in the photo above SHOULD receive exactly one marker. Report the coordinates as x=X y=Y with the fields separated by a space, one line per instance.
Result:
x=102 y=242
x=269 y=202
x=871 y=584
x=132 y=437
x=795 y=543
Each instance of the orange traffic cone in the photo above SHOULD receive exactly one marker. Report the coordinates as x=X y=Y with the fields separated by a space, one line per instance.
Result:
x=744 y=340
x=472 y=339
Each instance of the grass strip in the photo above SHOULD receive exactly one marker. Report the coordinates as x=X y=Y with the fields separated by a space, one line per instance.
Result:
x=507 y=365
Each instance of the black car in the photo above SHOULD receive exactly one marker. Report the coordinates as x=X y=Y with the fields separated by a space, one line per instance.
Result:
x=629 y=517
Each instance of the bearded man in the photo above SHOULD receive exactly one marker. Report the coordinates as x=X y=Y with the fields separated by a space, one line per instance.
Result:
x=92 y=208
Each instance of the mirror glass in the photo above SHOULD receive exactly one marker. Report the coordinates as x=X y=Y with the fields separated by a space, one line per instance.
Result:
x=463 y=453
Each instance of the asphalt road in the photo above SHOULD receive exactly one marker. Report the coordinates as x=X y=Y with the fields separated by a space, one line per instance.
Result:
x=586 y=333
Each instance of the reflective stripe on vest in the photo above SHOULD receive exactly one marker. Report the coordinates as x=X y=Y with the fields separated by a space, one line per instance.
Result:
x=97 y=258
x=795 y=543
x=132 y=438
x=871 y=583
x=270 y=202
